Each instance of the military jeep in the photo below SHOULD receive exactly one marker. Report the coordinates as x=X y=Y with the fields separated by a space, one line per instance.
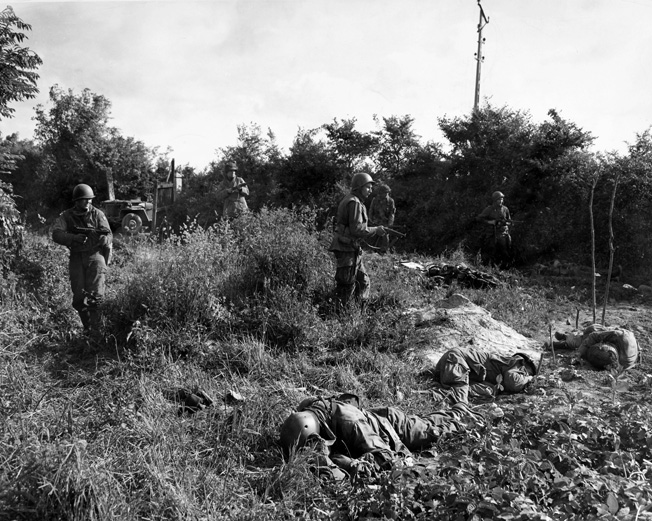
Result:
x=128 y=216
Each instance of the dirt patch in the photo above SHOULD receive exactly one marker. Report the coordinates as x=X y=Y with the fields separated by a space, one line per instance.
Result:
x=456 y=322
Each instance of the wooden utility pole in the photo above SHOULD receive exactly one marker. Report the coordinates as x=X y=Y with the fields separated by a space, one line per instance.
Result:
x=478 y=55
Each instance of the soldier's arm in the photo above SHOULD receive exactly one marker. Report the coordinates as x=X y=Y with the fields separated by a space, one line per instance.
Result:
x=244 y=189
x=60 y=233
x=357 y=227
x=392 y=212
x=105 y=227
x=485 y=217
x=515 y=380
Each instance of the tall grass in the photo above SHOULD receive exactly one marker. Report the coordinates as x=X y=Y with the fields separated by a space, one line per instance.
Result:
x=240 y=310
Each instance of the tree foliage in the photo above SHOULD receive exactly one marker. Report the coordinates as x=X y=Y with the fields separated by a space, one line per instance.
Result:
x=79 y=146
x=18 y=82
x=18 y=65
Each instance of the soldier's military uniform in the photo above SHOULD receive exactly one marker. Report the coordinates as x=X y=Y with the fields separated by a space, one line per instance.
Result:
x=474 y=373
x=611 y=348
x=379 y=436
x=498 y=214
x=88 y=259
x=351 y=227
x=232 y=192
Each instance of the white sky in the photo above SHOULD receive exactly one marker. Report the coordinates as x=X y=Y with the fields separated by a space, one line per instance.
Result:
x=184 y=74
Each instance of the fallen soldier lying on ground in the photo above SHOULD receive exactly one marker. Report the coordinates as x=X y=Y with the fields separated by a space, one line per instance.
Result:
x=351 y=441
x=473 y=373
x=611 y=348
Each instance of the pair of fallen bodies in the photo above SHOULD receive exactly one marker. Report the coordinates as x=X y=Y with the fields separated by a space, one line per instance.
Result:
x=349 y=440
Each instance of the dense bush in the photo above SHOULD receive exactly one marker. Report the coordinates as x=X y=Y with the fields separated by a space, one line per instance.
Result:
x=263 y=274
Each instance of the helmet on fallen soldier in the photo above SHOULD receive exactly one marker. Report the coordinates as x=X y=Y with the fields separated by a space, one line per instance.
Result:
x=297 y=428
x=528 y=362
x=602 y=356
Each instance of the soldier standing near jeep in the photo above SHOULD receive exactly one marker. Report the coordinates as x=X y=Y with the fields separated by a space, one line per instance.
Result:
x=85 y=230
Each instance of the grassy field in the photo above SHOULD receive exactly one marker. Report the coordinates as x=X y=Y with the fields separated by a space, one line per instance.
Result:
x=244 y=312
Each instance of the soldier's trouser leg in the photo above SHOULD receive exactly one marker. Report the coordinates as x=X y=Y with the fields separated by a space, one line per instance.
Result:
x=87 y=281
x=383 y=243
x=417 y=432
x=502 y=249
x=454 y=376
x=351 y=278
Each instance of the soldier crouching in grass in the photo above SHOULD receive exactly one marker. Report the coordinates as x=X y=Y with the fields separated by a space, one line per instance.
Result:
x=85 y=230
x=351 y=441
x=614 y=349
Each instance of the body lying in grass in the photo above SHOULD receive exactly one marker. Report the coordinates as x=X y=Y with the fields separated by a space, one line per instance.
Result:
x=350 y=440
x=611 y=348
x=474 y=373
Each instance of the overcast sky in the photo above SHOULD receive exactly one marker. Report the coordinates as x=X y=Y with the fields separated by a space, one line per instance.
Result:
x=185 y=74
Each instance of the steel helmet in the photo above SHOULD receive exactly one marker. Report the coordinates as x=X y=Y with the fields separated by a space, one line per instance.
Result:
x=297 y=428
x=82 y=191
x=603 y=355
x=497 y=195
x=232 y=165
x=529 y=362
x=360 y=179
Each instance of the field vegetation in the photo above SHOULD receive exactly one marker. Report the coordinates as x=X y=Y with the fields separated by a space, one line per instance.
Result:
x=95 y=427
x=243 y=311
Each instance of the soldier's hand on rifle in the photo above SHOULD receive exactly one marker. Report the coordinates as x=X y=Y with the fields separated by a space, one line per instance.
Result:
x=79 y=238
x=380 y=230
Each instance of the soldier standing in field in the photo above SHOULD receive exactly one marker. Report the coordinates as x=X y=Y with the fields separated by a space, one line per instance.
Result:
x=497 y=215
x=232 y=192
x=85 y=230
x=381 y=213
x=351 y=227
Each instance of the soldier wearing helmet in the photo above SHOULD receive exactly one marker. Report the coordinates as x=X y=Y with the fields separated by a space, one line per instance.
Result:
x=352 y=227
x=382 y=212
x=497 y=215
x=473 y=373
x=85 y=231
x=612 y=348
x=350 y=440
x=232 y=191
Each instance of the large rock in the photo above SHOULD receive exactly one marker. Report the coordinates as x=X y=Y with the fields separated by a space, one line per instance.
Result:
x=456 y=322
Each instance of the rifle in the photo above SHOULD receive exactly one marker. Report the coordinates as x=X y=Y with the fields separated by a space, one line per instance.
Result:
x=89 y=231
x=393 y=233
x=237 y=187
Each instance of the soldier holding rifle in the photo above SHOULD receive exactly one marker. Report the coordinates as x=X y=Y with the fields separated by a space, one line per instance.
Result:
x=351 y=228
x=497 y=215
x=85 y=230
x=233 y=191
